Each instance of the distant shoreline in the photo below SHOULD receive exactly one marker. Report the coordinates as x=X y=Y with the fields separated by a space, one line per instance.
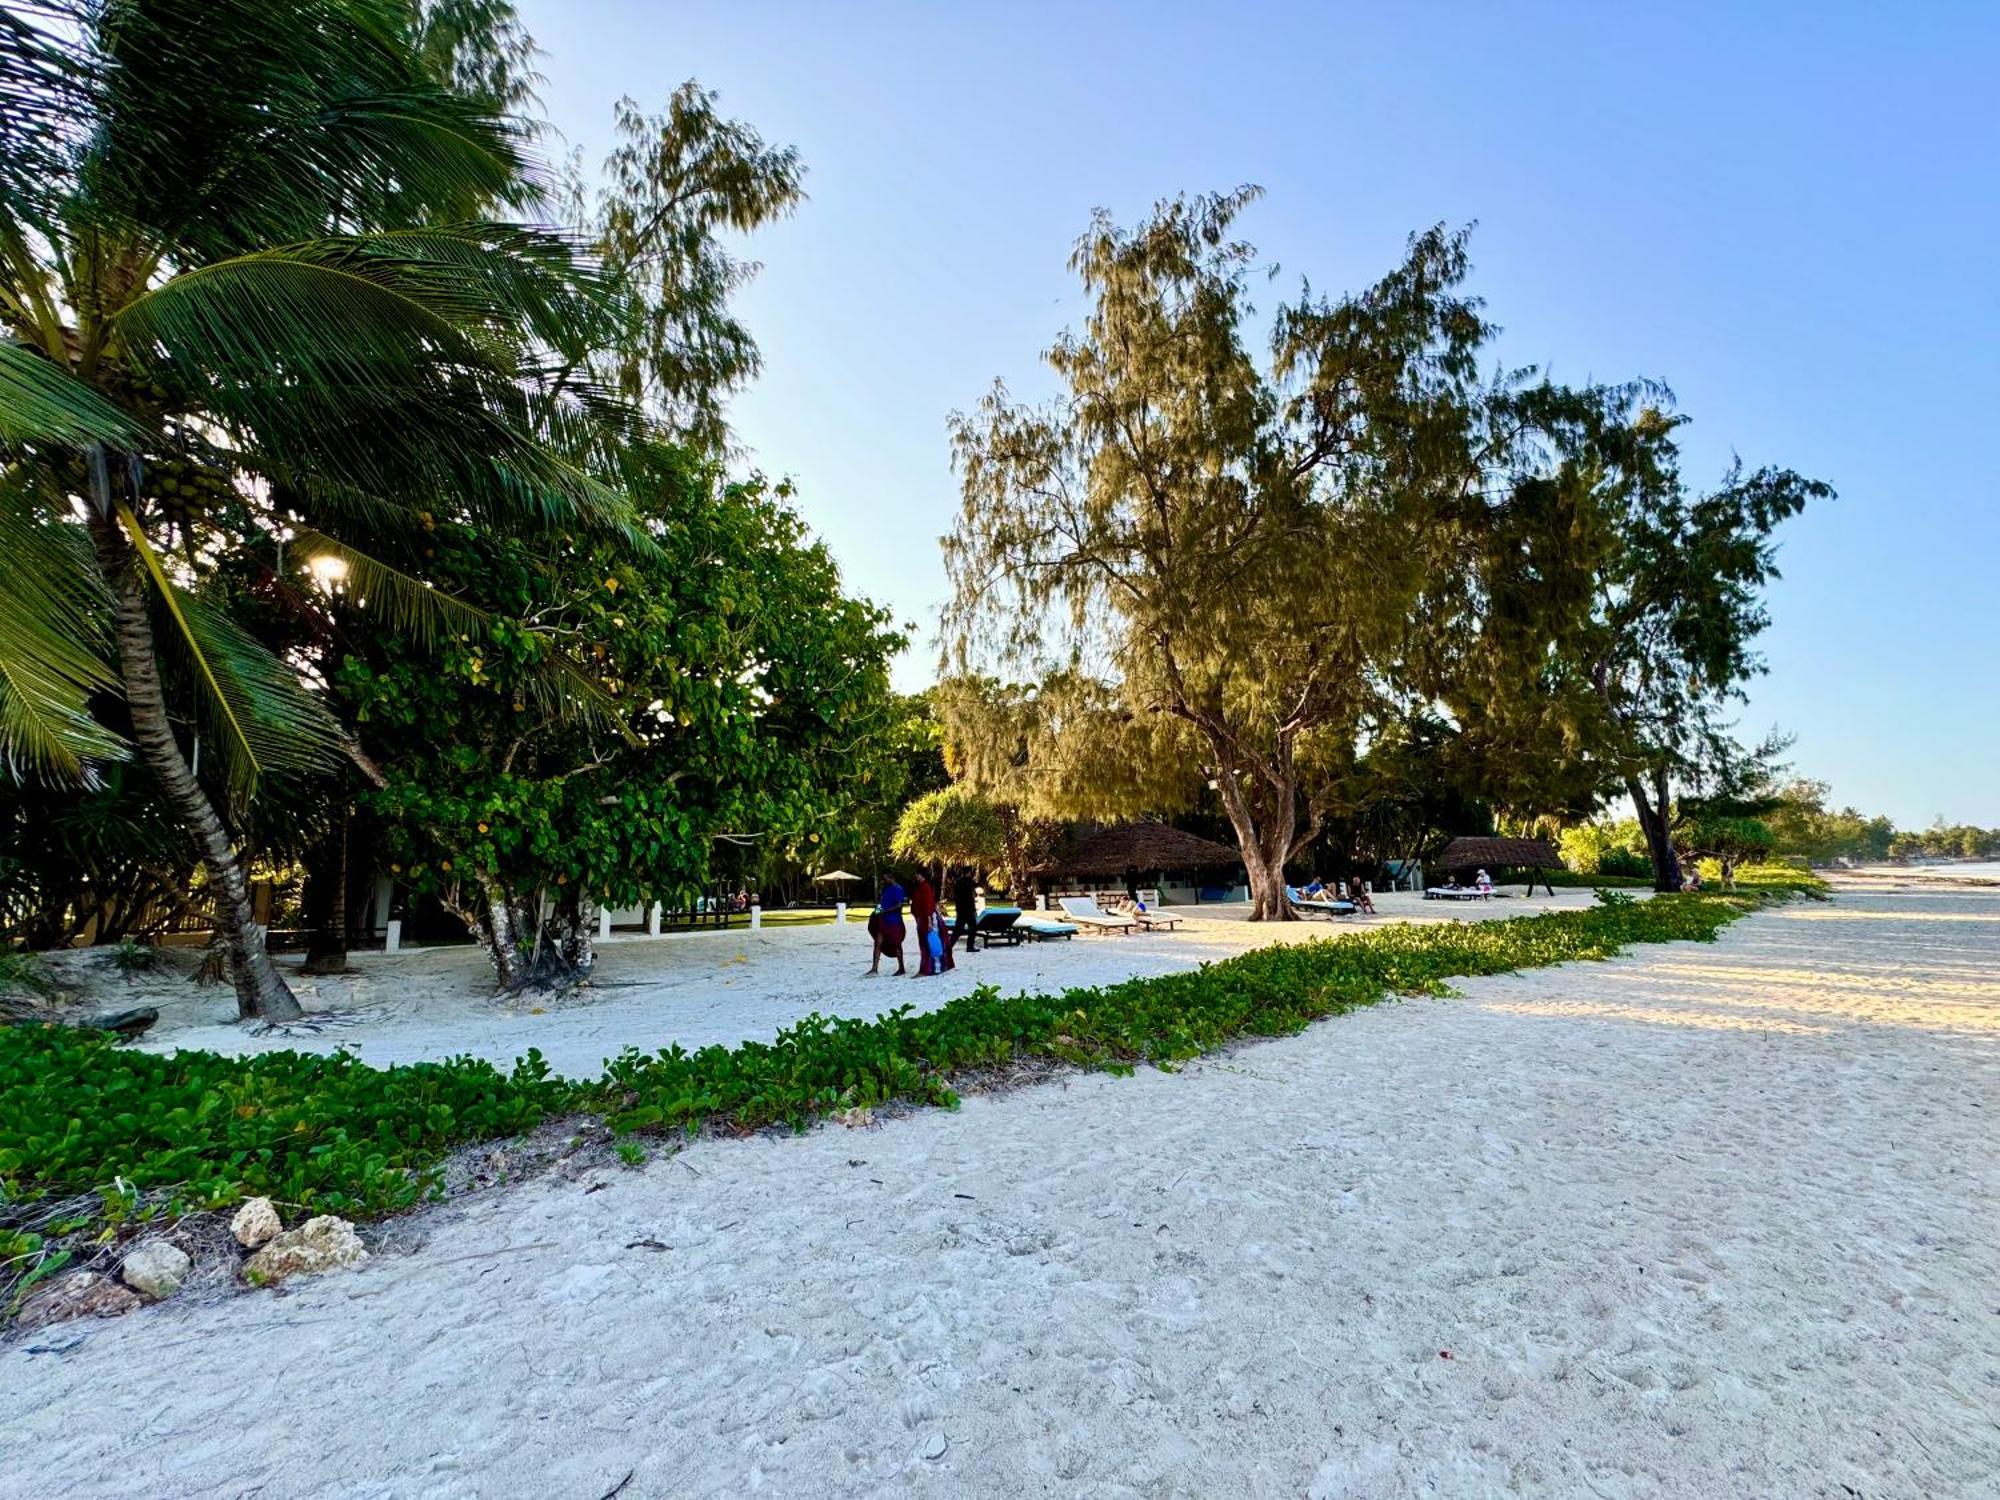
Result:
x=1941 y=872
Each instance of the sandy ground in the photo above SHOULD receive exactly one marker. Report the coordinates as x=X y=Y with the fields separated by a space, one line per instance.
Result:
x=702 y=988
x=1710 y=1220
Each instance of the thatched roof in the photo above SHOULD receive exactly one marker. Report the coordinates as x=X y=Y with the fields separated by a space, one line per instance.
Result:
x=1519 y=854
x=1136 y=846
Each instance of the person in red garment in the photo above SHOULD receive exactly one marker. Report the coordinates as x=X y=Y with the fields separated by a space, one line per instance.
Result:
x=928 y=929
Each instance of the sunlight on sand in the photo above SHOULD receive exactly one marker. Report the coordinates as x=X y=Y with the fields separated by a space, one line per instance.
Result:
x=1863 y=982
x=1570 y=1010
x=1848 y=913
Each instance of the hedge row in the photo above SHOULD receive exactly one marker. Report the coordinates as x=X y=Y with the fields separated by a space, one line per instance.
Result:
x=80 y=1116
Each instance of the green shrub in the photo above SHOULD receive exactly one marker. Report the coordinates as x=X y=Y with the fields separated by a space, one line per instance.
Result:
x=1572 y=880
x=825 y=1064
x=133 y=957
x=140 y=1132
x=1626 y=862
x=79 y=1114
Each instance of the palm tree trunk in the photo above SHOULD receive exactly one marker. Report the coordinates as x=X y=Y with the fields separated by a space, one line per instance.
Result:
x=261 y=994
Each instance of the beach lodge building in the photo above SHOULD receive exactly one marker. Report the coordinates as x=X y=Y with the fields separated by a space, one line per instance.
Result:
x=1165 y=866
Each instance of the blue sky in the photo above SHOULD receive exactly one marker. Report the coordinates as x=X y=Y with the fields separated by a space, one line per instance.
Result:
x=1788 y=213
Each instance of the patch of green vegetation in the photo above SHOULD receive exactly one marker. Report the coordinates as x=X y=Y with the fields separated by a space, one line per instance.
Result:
x=80 y=1116
x=1580 y=880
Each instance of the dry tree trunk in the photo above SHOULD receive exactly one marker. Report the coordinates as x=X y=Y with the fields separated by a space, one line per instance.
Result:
x=1653 y=814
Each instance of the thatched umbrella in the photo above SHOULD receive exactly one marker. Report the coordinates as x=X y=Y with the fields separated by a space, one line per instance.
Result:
x=839 y=877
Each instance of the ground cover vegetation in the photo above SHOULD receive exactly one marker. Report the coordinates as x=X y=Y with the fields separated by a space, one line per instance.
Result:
x=94 y=1136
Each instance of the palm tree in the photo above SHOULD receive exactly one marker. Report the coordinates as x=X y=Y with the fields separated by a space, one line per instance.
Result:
x=253 y=294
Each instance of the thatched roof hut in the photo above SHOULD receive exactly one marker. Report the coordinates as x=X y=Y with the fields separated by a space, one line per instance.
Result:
x=1136 y=846
x=1493 y=853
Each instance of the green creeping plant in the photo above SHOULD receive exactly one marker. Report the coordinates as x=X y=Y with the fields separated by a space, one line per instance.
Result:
x=152 y=1136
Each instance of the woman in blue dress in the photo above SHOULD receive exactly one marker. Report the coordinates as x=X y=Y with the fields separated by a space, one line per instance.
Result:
x=885 y=926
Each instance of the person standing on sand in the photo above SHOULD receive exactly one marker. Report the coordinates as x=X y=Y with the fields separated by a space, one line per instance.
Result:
x=924 y=918
x=885 y=926
x=965 y=905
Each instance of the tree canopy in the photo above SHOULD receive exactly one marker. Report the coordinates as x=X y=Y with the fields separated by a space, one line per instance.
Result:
x=254 y=288
x=1217 y=571
x=749 y=690
x=952 y=826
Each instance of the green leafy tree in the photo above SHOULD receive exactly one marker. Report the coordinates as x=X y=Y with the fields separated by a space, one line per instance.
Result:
x=952 y=826
x=1653 y=607
x=750 y=689
x=1215 y=571
x=674 y=185
x=251 y=285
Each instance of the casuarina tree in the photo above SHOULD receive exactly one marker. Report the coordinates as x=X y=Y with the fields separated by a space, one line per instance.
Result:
x=1210 y=565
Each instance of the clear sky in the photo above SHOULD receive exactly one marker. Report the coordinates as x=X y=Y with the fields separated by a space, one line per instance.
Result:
x=1789 y=213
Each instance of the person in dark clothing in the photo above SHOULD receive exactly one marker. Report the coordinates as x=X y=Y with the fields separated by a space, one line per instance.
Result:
x=965 y=906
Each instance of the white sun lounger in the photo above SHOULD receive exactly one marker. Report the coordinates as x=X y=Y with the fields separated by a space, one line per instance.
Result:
x=1087 y=914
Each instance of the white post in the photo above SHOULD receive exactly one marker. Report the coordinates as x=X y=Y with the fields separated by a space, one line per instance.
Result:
x=394 y=942
x=840 y=911
x=653 y=920
x=756 y=917
x=603 y=923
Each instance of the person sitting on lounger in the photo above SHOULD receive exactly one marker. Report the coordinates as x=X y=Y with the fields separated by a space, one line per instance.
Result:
x=1361 y=898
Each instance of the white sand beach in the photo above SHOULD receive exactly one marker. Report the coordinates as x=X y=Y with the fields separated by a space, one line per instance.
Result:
x=1710 y=1220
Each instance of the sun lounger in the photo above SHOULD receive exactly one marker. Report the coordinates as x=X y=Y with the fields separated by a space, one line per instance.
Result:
x=1085 y=912
x=1152 y=921
x=1320 y=906
x=1456 y=893
x=1000 y=924
x=1041 y=929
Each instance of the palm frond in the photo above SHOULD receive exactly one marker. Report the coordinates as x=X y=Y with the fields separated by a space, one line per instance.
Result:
x=46 y=85
x=40 y=403
x=324 y=314
x=405 y=602
x=287 y=733
x=560 y=685
x=259 y=716
x=226 y=124
x=54 y=649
